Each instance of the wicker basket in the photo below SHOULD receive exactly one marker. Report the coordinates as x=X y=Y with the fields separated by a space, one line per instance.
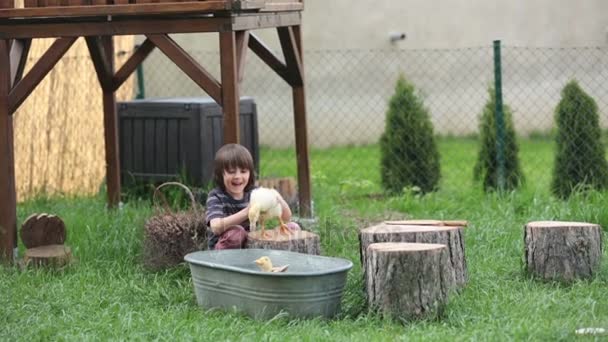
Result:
x=170 y=235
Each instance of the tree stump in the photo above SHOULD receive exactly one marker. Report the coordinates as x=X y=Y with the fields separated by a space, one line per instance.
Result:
x=43 y=235
x=42 y=230
x=450 y=236
x=299 y=241
x=50 y=255
x=408 y=280
x=562 y=251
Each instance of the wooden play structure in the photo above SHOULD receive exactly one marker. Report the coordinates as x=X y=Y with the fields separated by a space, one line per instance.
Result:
x=98 y=21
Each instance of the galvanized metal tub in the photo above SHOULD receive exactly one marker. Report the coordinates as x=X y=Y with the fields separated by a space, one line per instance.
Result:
x=312 y=286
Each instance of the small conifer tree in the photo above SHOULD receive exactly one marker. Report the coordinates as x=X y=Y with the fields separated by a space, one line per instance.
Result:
x=486 y=167
x=580 y=160
x=409 y=155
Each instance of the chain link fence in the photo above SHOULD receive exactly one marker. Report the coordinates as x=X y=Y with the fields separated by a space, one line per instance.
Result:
x=348 y=93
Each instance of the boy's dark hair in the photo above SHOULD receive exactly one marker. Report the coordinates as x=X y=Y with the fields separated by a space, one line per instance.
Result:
x=231 y=156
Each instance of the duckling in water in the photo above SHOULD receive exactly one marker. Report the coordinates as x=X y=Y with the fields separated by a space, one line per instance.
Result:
x=265 y=265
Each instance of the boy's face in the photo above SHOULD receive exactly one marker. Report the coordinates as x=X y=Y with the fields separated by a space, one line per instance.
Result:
x=235 y=181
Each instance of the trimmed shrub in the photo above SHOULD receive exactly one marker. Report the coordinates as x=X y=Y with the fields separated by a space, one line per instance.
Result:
x=409 y=155
x=580 y=161
x=486 y=167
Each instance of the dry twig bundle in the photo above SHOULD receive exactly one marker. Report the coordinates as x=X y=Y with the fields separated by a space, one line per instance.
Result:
x=170 y=235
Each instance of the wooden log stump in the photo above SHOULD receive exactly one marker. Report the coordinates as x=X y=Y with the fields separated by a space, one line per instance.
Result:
x=450 y=236
x=42 y=230
x=50 y=255
x=562 y=251
x=408 y=280
x=299 y=241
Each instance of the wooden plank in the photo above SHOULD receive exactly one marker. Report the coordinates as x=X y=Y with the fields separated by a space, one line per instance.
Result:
x=292 y=57
x=230 y=87
x=8 y=204
x=76 y=27
x=7 y=3
x=101 y=9
x=142 y=52
x=256 y=21
x=101 y=62
x=19 y=50
x=110 y=125
x=149 y=147
x=47 y=61
x=301 y=136
x=138 y=145
x=160 y=146
x=268 y=57
x=52 y=29
x=188 y=65
x=243 y=5
x=280 y=7
x=126 y=146
x=242 y=41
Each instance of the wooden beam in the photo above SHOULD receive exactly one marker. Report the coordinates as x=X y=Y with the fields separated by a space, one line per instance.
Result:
x=110 y=124
x=301 y=132
x=188 y=65
x=291 y=53
x=242 y=41
x=265 y=20
x=20 y=49
x=61 y=27
x=36 y=74
x=101 y=62
x=268 y=57
x=287 y=6
x=66 y=12
x=95 y=26
x=8 y=203
x=132 y=63
x=230 y=87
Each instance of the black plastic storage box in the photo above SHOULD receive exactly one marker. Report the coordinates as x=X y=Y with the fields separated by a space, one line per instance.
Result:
x=176 y=138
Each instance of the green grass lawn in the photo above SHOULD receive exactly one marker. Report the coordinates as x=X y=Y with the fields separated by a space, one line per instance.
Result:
x=107 y=295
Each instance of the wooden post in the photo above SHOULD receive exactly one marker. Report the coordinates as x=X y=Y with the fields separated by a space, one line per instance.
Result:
x=562 y=251
x=8 y=203
x=110 y=123
x=230 y=88
x=301 y=133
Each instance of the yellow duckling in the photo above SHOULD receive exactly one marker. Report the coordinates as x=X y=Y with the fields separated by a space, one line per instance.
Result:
x=265 y=265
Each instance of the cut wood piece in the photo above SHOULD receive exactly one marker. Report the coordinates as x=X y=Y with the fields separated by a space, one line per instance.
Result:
x=563 y=251
x=298 y=241
x=42 y=230
x=450 y=236
x=456 y=223
x=408 y=280
x=51 y=255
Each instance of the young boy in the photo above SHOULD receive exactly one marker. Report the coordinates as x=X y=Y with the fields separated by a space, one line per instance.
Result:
x=228 y=203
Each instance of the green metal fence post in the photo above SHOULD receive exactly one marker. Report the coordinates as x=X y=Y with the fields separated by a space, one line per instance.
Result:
x=499 y=118
x=141 y=91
